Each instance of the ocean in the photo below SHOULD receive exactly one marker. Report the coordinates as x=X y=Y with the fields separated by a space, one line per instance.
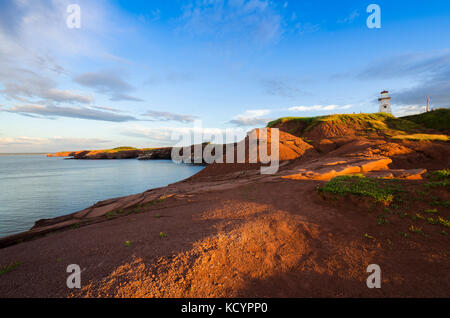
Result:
x=34 y=187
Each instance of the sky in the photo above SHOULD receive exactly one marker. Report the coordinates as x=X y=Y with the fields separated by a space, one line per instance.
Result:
x=135 y=72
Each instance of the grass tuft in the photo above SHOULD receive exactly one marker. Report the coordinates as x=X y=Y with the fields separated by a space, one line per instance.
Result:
x=429 y=137
x=380 y=190
x=9 y=268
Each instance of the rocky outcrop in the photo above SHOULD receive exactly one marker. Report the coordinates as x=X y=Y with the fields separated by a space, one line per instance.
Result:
x=157 y=153
x=99 y=154
x=193 y=156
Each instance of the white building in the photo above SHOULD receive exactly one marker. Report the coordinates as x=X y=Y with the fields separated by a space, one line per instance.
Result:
x=385 y=103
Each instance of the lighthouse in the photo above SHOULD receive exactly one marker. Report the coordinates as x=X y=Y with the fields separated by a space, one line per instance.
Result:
x=385 y=103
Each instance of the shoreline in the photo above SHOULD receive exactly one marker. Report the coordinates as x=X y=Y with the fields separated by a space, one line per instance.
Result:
x=32 y=228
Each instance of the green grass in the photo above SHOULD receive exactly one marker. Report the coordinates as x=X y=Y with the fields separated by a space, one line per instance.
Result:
x=410 y=127
x=443 y=221
x=370 y=237
x=162 y=235
x=445 y=204
x=415 y=229
x=124 y=148
x=381 y=219
x=442 y=174
x=438 y=119
x=431 y=211
x=380 y=190
x=364 y=123
x=305 y=120
x=9 y=268
x=440 y=178
x=114 y=213
x=76 y=225
x=429 y=137
x=127 y=243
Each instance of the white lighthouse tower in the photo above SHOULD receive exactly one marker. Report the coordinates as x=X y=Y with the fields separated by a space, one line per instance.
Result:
x=385 y=103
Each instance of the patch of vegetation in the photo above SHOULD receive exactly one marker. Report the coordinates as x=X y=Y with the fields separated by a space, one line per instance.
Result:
x=419 y=216
x=369 y=237
x=9 y=268
x=76 y=225
x=415 y=229
x=443 y=221
x=381 y=219
x=380 y=190
x=305 y=120
x=440 y=178
x=127 y=243
x=429 y=137
x=444 y=232
x=366 y=123
x=162 y=235
x=124 y=148
x=438 y=119
x=432 y=221
x=159 y=200
x=431 y=211
x=442 y=174
x=114 y=213
x=407 y=128
x=444 y=204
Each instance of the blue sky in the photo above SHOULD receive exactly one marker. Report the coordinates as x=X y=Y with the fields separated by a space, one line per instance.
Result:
x=138 y=70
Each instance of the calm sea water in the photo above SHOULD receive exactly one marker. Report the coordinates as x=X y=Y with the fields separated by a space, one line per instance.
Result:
x=34 y=187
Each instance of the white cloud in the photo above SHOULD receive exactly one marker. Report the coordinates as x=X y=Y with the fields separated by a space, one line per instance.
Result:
x=35 y=39
x=408 y=110
x=52 y=144
x=51 y=111
x=167 y=116
x=319 y=108
x=252 y=118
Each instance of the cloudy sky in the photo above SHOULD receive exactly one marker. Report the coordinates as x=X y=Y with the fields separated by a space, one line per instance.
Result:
x=137 y=70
